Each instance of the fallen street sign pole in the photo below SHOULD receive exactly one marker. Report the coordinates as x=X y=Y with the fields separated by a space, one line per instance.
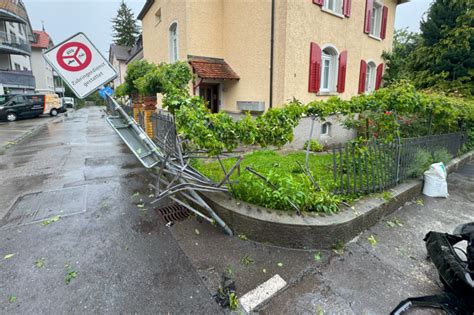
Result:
x=80 y=64
x=85 y=70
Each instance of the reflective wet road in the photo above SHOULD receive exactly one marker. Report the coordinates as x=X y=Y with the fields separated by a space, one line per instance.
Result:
x=72 y=238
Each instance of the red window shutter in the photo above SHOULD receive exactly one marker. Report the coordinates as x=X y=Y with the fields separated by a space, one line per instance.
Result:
x=318 y=2
x=378 y=80
x=314 y=68
x=362 y=76
x=383 y=30
x=369 y=6
x=347 y=8
x=341 y=77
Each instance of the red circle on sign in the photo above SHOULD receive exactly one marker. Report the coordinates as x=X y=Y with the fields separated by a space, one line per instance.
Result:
x=78 y=56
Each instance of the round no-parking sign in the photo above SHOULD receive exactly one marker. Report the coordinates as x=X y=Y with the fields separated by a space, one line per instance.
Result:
x=80 y=65
x=74 y=56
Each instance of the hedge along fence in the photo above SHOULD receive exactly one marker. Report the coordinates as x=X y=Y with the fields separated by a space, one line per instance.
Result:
x=375 y=166
x=415 y=113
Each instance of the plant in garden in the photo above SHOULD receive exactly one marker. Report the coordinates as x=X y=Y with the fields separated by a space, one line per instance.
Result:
x=135 y=70
x=314 y=146
x=442 y=155
x=421 y=162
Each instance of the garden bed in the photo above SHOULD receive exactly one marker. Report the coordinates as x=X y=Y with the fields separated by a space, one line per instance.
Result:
x=283 y=171
x=313 y=230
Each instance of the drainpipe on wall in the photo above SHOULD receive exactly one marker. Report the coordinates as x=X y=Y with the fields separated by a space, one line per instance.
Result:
x=272 y=40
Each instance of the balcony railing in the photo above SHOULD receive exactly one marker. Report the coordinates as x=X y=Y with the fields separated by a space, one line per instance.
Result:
x=18 y=79
x=13 y=10
x=14 y=45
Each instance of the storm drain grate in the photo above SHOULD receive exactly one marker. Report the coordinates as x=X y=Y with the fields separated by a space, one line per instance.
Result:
x=173 y=213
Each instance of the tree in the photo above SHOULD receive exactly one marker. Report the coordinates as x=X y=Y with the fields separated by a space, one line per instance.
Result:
x=404 y=43
x=440 y=57
x=125 y=26
x=444 y=60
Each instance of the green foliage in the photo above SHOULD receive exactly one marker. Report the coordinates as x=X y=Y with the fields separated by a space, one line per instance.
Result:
x=396 y=61
x=442 y=155
x=246 y=261
x=296 y=188
x=135 y=71
x=233 y=301
x=440 y=58
x=167 y=79
x=314 y=146
x=70 y=275
x=421 y=162
x=125 y=26
x=121 y=90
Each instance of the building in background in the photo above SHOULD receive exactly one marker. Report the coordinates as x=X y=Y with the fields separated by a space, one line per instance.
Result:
x=136 y=53
x=118 y=56
x=16 y=36
x=255 y=55
x=42 y=71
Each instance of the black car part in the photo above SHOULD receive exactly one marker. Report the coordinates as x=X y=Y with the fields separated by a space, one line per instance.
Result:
x=455 y=272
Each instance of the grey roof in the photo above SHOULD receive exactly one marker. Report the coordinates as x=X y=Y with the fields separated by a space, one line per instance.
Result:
x=120 y=52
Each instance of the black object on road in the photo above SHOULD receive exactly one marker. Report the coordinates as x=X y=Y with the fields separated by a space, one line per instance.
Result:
x=455 y=272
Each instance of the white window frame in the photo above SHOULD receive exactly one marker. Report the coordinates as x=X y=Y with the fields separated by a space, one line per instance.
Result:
x=376 y=20
x=333 y=69
x=370 y=77
x=173 y=42
x=326 y=132
x=334 y=6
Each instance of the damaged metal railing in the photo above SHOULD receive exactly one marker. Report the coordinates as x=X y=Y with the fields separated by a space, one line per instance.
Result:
x=175 y=179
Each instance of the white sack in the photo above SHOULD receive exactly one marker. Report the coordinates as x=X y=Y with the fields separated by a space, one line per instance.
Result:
x=435 y=181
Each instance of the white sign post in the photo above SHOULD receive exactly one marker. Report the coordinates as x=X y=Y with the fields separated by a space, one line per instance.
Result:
x=80 y=65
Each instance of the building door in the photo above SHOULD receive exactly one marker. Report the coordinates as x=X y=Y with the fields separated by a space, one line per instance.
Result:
x=210 y=92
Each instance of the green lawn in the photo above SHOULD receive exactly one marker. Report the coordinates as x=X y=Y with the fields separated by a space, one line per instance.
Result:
x=282 y=171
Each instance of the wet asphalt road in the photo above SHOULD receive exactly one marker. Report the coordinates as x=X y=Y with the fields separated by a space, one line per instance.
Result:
x=11 y=132
x=69 y=215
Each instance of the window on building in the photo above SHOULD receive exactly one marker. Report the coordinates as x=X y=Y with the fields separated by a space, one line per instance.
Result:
x=173 y=45
x=376 y=20
x=329 y=65
x=12 y=37
x=158 y=16
x=326 y=129
x=370 y=77
x=333 y=5
x=25 y=69
x=17 y=67
x=20 y=29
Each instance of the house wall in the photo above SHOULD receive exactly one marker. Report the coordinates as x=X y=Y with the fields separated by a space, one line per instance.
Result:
x=206 y=18
x=247 y=51
x=325 y=28
x=156 y=34
x=121 y=68
x=41 y=70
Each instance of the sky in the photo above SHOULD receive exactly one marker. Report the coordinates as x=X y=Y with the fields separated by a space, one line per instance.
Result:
x=67 y=17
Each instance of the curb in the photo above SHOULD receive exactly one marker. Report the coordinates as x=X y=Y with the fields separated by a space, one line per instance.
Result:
x=313 y=231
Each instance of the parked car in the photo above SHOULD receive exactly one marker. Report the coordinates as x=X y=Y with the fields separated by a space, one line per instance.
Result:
x=68 y=102
x=17 y=106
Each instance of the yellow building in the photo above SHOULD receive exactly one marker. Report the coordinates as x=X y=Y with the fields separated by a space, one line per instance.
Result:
x=259 y=54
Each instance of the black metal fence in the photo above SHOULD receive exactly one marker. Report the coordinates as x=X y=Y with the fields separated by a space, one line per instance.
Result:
x=363 y=168
x=164 y=133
